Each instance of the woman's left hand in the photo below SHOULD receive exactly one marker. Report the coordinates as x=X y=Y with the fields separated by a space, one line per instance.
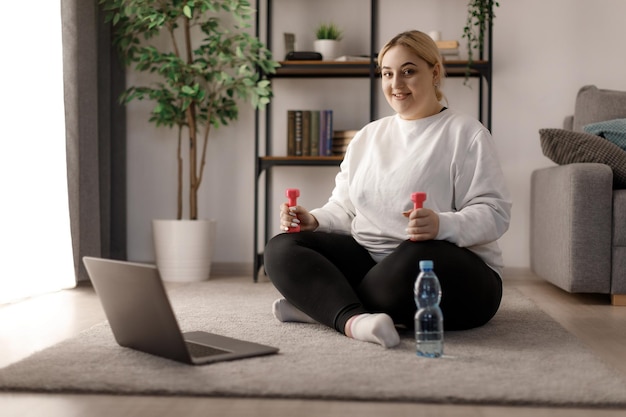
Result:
x=423 y=224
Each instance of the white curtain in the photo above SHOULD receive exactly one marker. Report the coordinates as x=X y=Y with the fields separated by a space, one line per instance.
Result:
x=35 y=241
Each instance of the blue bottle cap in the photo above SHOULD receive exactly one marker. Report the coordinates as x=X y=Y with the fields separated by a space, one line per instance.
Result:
x=426 y=264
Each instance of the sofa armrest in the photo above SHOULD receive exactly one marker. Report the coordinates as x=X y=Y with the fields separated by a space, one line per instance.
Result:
x=618 y=272
x=570 y=226
x=568 y=123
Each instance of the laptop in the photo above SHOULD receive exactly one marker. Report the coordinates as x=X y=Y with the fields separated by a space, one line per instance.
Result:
x=141 y=317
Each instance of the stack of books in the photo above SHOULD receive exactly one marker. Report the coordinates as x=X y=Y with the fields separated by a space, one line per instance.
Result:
x=341 y=139
x=309 y=132
x=353 y=58
x=449 y=50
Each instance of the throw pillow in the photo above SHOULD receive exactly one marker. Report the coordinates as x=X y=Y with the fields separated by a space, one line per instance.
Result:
x=595 y=105
x=611 y=130
x=568 y=147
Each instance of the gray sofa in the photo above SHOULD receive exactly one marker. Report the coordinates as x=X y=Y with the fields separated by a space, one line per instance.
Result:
x=578 y=208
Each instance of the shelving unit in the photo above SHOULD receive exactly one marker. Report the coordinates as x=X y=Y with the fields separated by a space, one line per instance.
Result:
x=265 y=163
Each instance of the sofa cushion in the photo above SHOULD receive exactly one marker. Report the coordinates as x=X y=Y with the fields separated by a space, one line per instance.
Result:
x=612 y=130
x=595 y=105
x=568 y=147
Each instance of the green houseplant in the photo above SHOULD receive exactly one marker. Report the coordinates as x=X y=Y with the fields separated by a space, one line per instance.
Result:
x=201 y=76
x=479 y=14
x=203 y=62
x=328 y=31
x=327 y=40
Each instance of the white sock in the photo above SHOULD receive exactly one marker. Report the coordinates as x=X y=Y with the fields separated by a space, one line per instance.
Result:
x=374 y=328
x=284 y=311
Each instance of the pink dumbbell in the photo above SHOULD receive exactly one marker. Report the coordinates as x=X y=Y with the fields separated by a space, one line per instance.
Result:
x=292 y=194
x=418 y=200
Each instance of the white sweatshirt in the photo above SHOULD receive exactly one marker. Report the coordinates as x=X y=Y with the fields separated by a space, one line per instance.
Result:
x=450 y=156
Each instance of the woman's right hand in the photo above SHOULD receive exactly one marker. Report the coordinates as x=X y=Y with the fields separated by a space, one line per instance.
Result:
x=298 y=215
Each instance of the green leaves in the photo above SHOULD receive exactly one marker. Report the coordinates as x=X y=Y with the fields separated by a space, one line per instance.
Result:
x=186 y=90
x=479 y=14
x=328 y=31
x=212 y=71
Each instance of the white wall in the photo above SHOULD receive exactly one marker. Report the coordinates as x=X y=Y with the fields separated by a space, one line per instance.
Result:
x=545 y=50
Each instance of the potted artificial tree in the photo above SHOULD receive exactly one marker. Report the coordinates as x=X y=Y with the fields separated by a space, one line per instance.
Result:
x=327 y=41
x=209 y=63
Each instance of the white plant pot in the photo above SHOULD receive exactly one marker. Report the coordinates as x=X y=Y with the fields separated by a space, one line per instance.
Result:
x=329 y=48
x=184 y=249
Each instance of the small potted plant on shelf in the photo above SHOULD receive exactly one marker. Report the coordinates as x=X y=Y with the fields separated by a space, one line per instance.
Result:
x=202 y=61
x=327 y=40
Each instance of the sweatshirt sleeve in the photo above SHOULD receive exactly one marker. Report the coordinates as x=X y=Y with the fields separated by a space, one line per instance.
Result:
x=481 y=199
x=337 y=214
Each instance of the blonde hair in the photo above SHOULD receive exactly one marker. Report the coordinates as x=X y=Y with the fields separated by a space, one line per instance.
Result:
x=424 y=47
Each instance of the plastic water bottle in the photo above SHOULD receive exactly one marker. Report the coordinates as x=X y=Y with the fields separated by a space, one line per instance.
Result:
x=428 y=318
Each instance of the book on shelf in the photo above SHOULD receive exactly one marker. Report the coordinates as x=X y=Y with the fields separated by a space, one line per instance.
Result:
x=449 y=50
x=291 y=132
x=451 y=57
x=315 y=132
x=341 y=140
x=306 y=133
x=353 y=58
x=295 y=137
x=309 y=132
x=447 y=44
x=326 y=132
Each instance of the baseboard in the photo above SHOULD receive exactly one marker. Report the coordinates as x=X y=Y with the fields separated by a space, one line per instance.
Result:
x=228 y=269
x=221 y=269
x=514 y=272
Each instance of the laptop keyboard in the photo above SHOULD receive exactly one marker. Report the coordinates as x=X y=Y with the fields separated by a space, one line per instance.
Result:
x=197 y=350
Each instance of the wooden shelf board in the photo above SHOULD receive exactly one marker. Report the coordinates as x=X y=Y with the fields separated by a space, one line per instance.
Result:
x=361 y=68
x=266 y=162
x=301 y=158
x=317 y=68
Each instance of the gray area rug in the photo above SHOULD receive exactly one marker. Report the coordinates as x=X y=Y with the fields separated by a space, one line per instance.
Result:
x=522 y=357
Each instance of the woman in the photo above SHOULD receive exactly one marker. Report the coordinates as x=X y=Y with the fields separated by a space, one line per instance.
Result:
x=354 y=263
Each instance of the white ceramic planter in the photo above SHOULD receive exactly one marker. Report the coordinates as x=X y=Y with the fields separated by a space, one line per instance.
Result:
x=184 y=249
x=329 y=48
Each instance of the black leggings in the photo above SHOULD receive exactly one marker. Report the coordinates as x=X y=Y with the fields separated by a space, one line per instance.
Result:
x=330 y=277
